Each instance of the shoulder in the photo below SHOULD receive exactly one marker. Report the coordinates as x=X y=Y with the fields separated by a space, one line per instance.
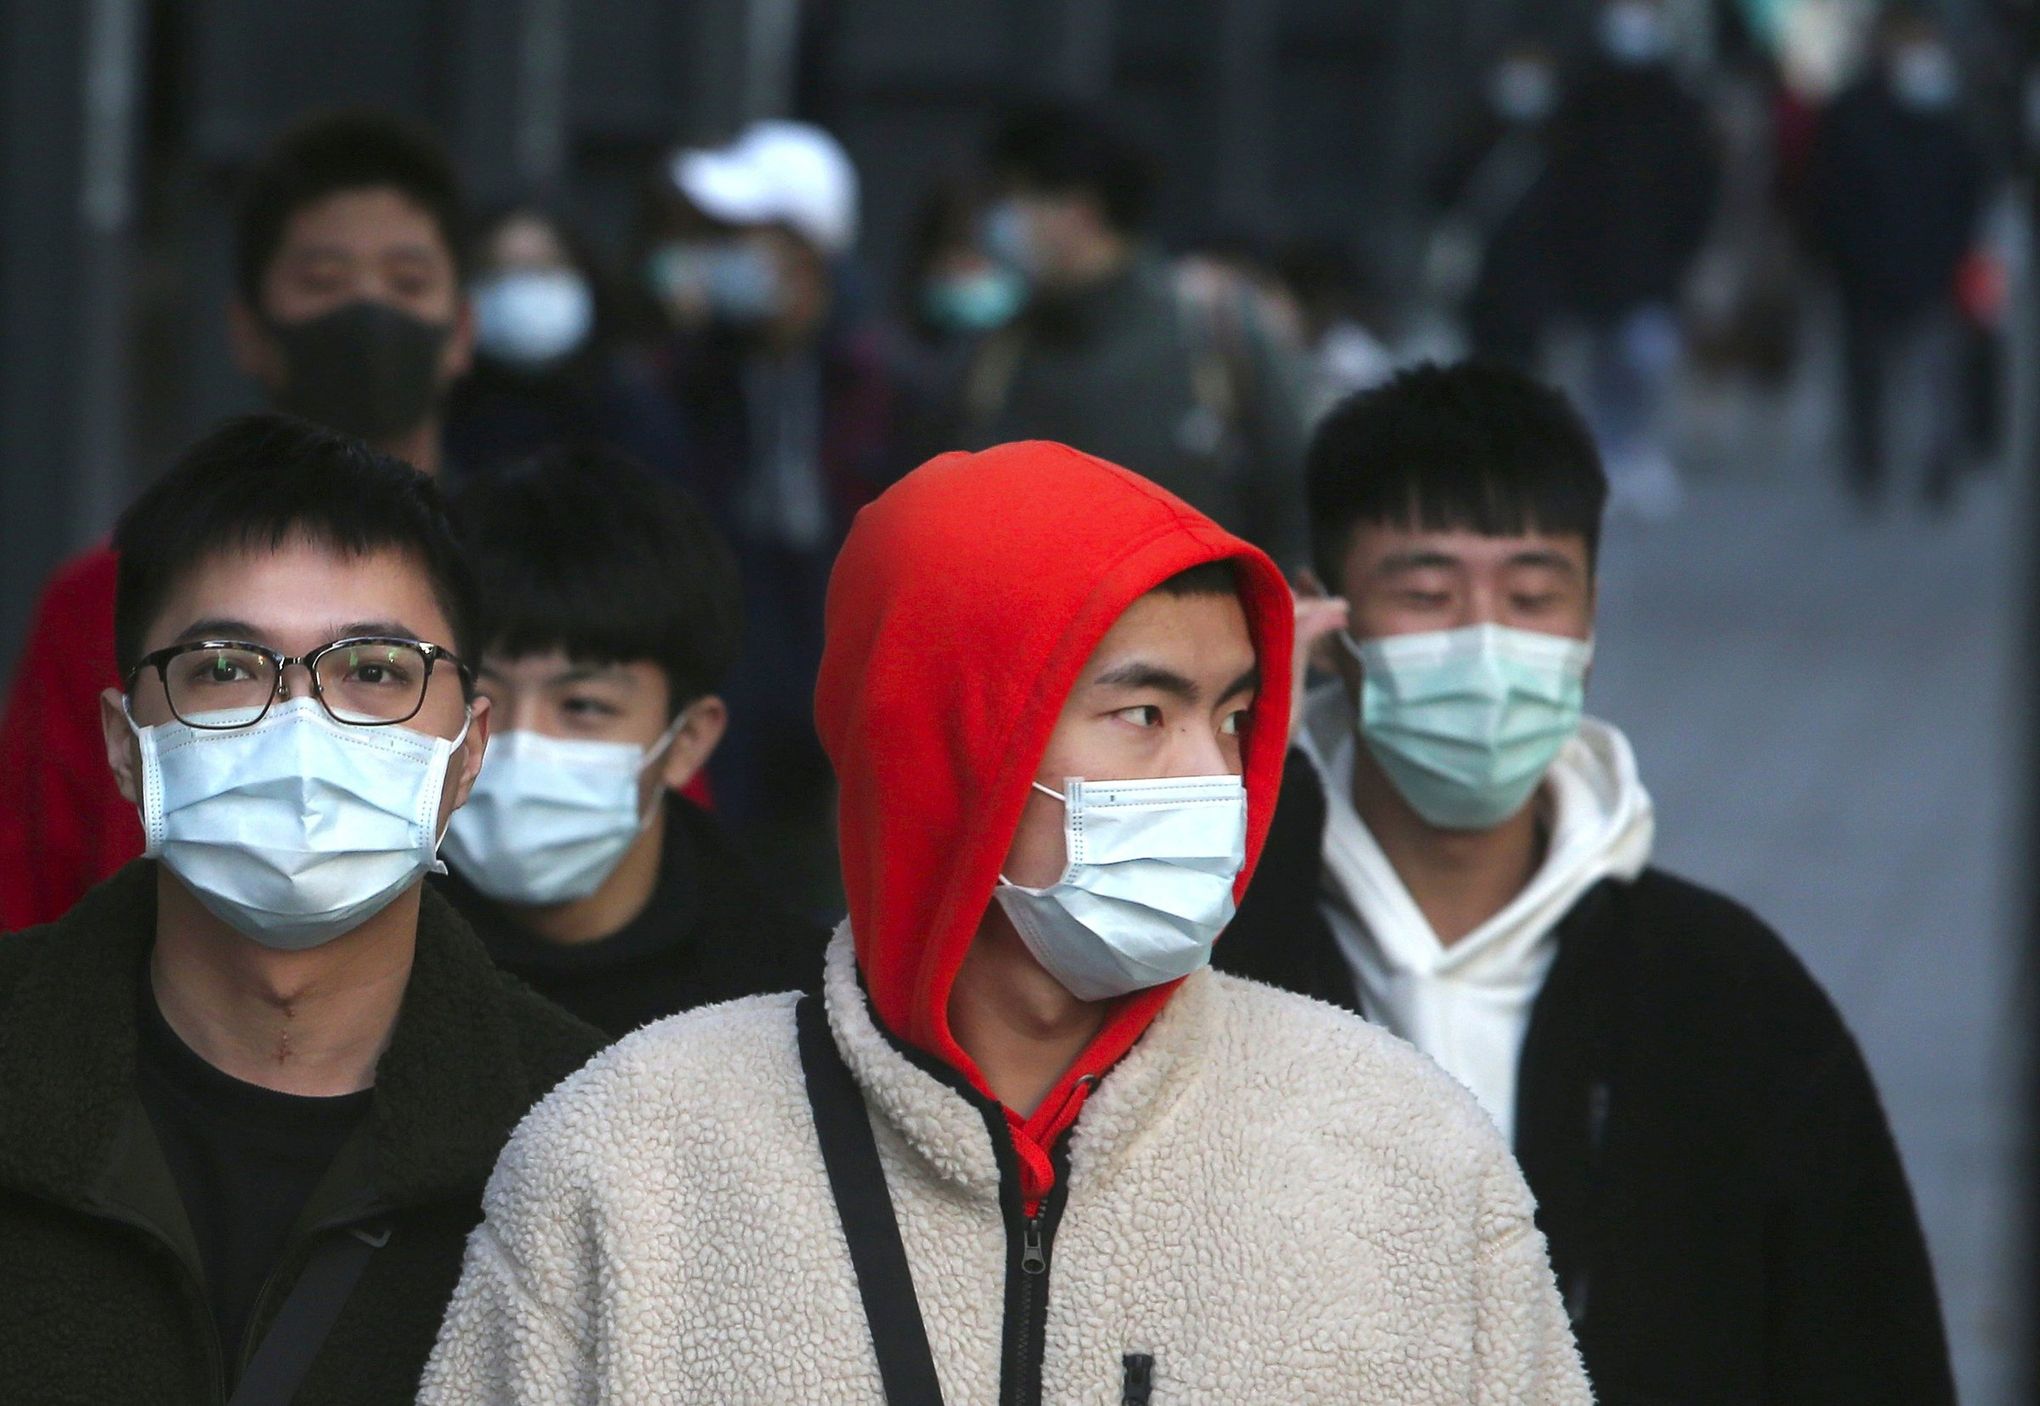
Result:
x=1689 y=959
x=1293 y=1060
x=722 y=1074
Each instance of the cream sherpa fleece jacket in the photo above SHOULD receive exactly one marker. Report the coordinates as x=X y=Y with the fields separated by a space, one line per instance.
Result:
x=1279 y=1202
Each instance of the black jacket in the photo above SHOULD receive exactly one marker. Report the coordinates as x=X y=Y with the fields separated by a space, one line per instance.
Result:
x=1726 y=1211
x=1897 y=197
x=1628 y=193
x=710 y=933
x=102 y=1296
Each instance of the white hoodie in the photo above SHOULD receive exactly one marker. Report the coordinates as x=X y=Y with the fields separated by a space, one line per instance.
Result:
x=1468 y=1005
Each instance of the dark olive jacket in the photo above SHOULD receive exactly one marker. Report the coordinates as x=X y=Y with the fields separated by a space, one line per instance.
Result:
x=1727 y=1214
x=102 y=1297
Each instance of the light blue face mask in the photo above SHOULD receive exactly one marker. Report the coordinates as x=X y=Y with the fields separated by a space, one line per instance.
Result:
x=1466 y=722
x=980 y=301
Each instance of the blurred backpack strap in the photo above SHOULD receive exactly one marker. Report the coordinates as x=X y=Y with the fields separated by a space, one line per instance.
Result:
x=857 y=1180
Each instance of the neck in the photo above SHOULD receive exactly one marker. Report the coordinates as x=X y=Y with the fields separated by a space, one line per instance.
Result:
x=1458 y=878
x=419 y=448
x=1018 y=1024
x=623 y=896
x=311 y=1023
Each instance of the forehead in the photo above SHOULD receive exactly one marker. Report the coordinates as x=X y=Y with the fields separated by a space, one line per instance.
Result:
x=1376 y=545
x=1201 y=630
x=300 y=593
x=374 y=221
x=527 y=241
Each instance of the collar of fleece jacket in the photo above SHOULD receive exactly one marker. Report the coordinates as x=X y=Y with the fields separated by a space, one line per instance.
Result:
x=469 y=1055
x=961 y=610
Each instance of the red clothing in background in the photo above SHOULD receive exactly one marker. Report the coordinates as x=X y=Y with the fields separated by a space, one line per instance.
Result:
x=63 y=824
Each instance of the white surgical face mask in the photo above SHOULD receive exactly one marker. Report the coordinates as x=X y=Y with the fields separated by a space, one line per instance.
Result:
x=533 y=318
x=299 y=828
x=1148 y=886
x=550 y=818
x=1466 y=722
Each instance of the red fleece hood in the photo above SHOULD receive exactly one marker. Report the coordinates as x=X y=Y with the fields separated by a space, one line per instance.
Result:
x=960 y=612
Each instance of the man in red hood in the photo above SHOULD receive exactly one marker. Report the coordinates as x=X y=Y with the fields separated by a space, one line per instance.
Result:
x=1023 y=1145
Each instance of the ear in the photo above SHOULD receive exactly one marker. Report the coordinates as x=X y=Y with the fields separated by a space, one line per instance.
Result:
x=477 y=742
x=123 y=748
x=707 y=718
x=254 y=351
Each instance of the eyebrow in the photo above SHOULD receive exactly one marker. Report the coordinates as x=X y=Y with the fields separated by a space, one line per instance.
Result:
x=1398 y=563
x=1249 y=682
x=215 y=627
x=1139 y=674
x=1546 y=558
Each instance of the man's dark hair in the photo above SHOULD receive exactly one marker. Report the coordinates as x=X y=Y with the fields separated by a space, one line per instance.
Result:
x=1067 y=151
x=583 y=550
x=1474 y=446
x=1207 y=578
x=261 y=481
x=335 y=152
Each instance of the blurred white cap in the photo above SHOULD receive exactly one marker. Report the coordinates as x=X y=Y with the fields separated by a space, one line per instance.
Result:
x=788 y=173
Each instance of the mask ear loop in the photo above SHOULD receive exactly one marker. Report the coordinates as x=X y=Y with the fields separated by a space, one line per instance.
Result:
x=652 y=755
x=1054 y=796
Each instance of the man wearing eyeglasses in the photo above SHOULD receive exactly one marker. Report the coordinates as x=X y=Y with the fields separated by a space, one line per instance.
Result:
x=252 y=1085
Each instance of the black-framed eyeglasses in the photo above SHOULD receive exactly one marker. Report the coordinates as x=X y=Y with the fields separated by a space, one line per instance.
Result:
x=367 y=681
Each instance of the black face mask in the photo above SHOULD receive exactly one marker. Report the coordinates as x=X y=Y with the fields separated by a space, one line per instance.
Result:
x=366 y=369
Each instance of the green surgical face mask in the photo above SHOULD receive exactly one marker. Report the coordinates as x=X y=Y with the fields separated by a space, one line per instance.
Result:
x=1466 y=722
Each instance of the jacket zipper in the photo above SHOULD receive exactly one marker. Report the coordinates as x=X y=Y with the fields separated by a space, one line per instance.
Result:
x=1027 y=1290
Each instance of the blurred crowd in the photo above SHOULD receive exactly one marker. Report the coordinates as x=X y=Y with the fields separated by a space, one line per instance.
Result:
x=1620 y=205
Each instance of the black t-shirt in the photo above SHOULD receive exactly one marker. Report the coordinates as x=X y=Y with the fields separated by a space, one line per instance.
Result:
x=245 y=1160
x=708 y=933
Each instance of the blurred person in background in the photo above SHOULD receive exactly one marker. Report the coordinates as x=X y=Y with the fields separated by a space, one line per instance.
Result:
x=1114 y=353
x=1340 y=321
x=349 y=311
x=1628 y=196
x=789 y=414
x=1462 y=855
x=1489 y=255
x=546 y=368
x=613 y=617
x=1896 y=190
x=952 y=295
x=252 y=1085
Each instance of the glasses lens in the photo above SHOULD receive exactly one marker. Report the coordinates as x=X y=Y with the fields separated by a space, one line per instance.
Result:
x=219 y=688
x=373 y=682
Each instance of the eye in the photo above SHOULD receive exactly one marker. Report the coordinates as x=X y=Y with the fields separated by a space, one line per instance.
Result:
x=1537 y=604
x=1235 y=723
x=1142 y=715
x=588 y=709
x=218 y=668
x=1424 y=600
x=378 y=667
